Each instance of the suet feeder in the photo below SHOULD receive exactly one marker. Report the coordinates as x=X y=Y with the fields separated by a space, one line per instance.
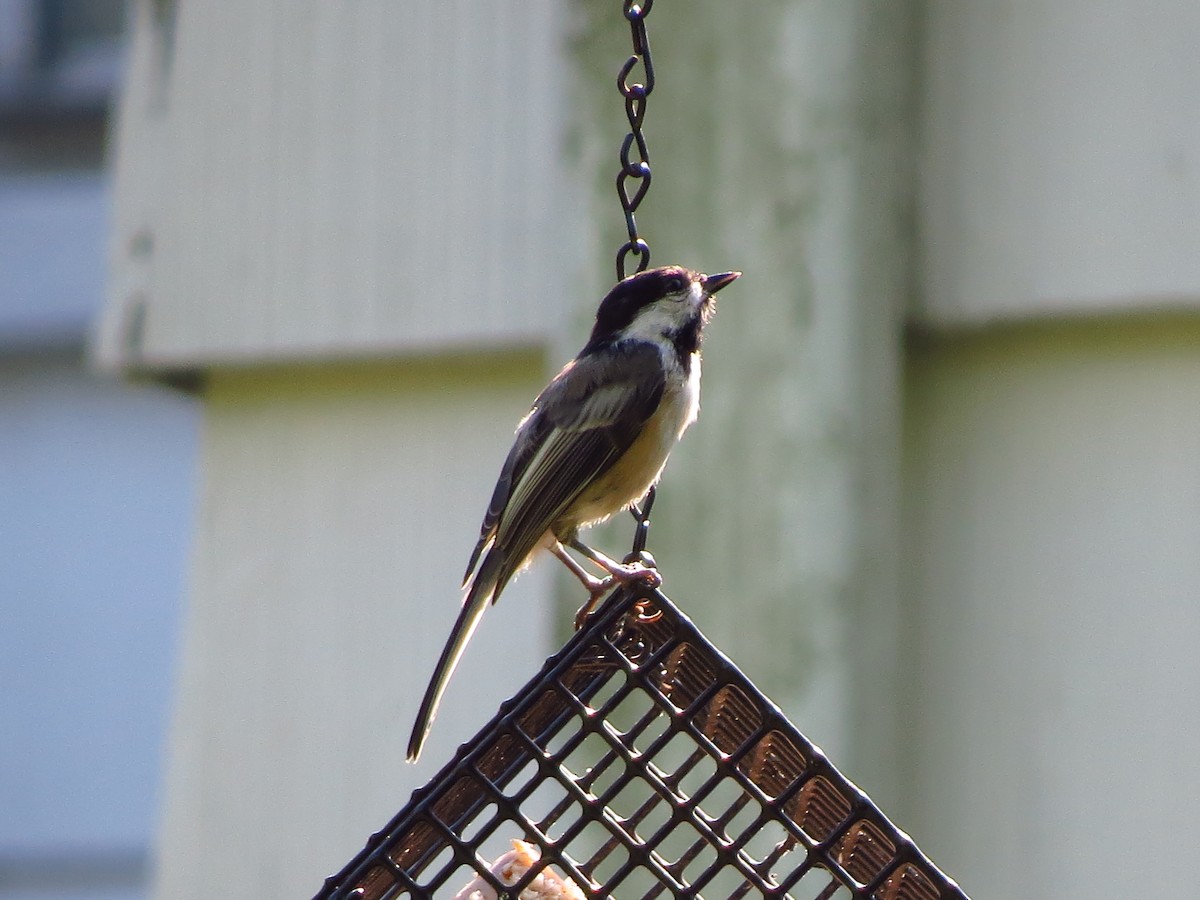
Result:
x=640 y=763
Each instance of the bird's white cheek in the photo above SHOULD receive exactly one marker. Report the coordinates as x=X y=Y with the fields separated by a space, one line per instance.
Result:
x=657 y=320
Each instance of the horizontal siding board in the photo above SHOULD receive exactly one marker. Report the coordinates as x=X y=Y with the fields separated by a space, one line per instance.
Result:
x=369 y=178
x=1059 y=156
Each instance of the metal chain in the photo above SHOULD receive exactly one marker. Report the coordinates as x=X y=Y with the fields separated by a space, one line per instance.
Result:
x=637 y=169
x=635 y=94
x=641 y=515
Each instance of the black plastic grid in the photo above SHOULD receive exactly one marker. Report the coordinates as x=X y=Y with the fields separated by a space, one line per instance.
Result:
x=643 y=763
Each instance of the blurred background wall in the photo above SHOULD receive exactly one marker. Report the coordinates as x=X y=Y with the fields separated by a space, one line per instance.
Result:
x=942 y=503
x=96 y=489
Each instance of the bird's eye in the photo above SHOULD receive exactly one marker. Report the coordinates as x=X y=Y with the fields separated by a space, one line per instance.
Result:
x=675 y=284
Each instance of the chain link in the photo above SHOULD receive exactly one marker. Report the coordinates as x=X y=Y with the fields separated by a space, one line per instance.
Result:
x=635 y=169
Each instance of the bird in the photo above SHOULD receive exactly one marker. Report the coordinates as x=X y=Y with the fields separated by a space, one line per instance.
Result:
x=594 y=442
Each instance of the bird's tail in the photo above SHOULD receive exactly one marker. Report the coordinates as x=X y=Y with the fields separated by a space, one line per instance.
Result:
x=483 y=588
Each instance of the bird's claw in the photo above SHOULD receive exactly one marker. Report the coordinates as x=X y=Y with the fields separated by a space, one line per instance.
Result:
x=625 y=575
x=635 y=572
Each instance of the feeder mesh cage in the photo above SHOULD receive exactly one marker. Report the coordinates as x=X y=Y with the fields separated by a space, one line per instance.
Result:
x=640 y=763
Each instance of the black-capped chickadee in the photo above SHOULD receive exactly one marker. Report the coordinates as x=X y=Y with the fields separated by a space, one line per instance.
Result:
x=594 y=443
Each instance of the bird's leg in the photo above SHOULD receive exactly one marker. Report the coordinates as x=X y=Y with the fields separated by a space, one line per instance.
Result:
x=624 y=573
x=618 y=573
x=595 y=586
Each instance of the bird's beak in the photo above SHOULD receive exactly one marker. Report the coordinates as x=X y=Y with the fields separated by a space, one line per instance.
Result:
x=713 y=283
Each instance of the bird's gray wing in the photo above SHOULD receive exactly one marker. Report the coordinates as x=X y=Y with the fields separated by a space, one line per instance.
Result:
x=591 y=414
x=579 y=426
x=531 y=434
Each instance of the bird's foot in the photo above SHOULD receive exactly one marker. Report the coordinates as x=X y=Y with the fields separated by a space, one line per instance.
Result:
x=595 y=595
x=631 y=574
x=634 y=573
